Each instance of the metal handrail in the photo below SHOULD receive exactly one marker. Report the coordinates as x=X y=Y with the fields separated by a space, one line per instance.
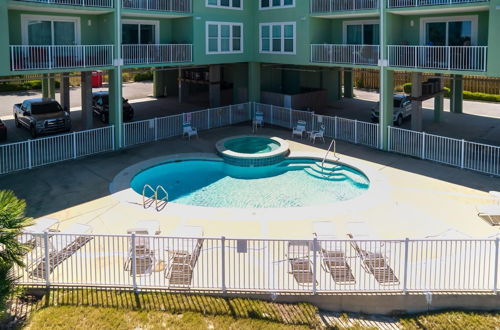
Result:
x=163 y=201
x=149 y=199
x=334 y=144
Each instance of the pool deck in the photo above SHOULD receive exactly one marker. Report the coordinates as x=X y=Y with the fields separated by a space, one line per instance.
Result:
x=419 y=199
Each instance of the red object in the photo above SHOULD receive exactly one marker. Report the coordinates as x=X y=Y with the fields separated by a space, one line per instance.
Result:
x=96 y=79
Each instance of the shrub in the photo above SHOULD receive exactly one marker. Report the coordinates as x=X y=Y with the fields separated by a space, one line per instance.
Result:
x=24 y=86
x=407 y=88
x=143 y=76
x=481 y=96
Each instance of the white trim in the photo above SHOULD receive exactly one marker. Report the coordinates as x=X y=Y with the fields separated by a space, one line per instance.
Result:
x=282 y=24
x=219 y=24
x=357 y=22
x=24 y=25
x=281 y=5
x=447 y=19
x=143 y=22
x=224 y=7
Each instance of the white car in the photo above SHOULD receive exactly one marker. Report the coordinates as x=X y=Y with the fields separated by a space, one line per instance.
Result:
x=402 y=109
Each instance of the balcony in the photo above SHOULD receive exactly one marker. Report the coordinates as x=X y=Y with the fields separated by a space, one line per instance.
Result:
x=329 y=6
x=181 y=6
x=345 y=54
x=157 y=54
x=453 y=58
x=79 y=3
x=422 y=3
x=25 y=58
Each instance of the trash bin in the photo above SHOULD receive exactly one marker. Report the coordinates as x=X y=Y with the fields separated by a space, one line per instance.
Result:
x=96 y=79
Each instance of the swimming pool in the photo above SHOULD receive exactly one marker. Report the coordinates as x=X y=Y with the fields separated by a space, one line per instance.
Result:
x=251 y=150
x=290 y=183
x=252 y=145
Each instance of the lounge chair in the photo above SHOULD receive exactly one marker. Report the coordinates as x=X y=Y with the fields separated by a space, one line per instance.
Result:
x=318 y=134
x=61 y=247
x=333 y=258
x=144 y=253
x=258 y=119
x=40 y=226
x=489 y=213
x=299 y=129
x=146 y=227
x=298 y=254
x=373 y=256
x=184 y=254
x=188 y=130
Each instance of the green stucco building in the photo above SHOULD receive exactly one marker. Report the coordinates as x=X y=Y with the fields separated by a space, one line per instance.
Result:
x=265 y=50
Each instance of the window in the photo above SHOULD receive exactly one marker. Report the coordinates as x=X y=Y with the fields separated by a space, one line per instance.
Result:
x=41 y=30
x=449 y=31
x=135 y=32
x=224 y=38
x=361 y=33
x=231 y=4
x=277 y=38
x=269 y=4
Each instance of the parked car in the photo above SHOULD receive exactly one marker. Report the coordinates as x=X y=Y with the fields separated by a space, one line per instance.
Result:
x=100 y=105
x=3 y=131
x=42 y=116
x=402 y=109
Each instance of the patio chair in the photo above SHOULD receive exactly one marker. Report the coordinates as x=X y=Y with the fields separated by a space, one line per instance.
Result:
x=42 y=225
x=333 y=258
x=62 y=247
x=301 y=269
x=318 y=134
x=373 y=258
x=298 y=249
x=188 y=130
x=146 y=227
x=489 y=213
x=184 y=255
x=299 y=129
x=258 y=119
x=142 y=248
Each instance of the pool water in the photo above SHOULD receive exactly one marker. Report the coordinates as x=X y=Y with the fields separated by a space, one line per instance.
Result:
x=251 y=145
x=291 y=183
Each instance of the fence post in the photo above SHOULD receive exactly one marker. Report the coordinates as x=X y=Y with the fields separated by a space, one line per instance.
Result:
x=47 y=260
x=223 y=263
x=423 y=145
x=405 y=274
x=74 y=145
x=30 y=165
x=134 y=262
x=462 y=154
x=355 y=131
x=291 y=124
x=156 y=128
x=113 y=136
x=336 y=127
x=389 y=137
x=315 y=259
x=272 y=115
x=124 y=129
x=208 y=118
x=230 y=114
x=495 y=276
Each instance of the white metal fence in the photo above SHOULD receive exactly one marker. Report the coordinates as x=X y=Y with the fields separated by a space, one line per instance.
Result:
x=60 y=57
x=151 y=54
x=466 y=58
x=269 y=265
x=83 y=3
x=418 y=3
x=183 y=6
x=345 y=54
x=52 y=149
x=326 y=6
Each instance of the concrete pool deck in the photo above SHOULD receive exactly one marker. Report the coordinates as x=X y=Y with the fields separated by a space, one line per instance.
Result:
x=422 y=198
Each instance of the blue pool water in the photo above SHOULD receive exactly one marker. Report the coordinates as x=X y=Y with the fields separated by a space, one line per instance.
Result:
x=291 y=183
x=251 y=145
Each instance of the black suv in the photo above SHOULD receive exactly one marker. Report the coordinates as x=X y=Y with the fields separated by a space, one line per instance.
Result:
x=100 y=105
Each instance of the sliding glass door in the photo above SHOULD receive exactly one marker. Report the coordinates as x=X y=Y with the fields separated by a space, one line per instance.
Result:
x=50 y=32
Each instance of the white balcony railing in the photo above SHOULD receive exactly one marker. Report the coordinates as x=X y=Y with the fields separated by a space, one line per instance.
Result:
x=182 y=6
x=82 y=3
x=460 y=58
x=345 y=54
x=157 y=54
x=419 y=3
x=327 y=6
x=60 y=57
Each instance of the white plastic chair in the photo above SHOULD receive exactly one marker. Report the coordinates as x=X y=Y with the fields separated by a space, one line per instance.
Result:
x=188 y=130
x=259 y=119
x=299 y=129
x=318 y=134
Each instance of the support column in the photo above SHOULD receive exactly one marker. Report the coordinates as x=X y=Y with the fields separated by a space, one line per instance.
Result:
x=45 y=86
x=64 y=91
x=416 y=92
x=254 y=81
x=386 y=104
x=4 y=39
x=183 y=90
x=52 y=86
x=457 y=96
x=348 y=84
x=86 y=87
x=159 y=83
x=439 y=104
x=330 y=80
x=214 y=77
x=116 y=104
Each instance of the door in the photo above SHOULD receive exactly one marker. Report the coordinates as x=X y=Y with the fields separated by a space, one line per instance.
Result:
x=50 y=32
x=449 y=33
x=139 y=33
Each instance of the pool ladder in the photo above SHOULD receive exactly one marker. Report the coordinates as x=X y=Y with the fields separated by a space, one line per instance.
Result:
x=148 y=200
x=334 y=145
